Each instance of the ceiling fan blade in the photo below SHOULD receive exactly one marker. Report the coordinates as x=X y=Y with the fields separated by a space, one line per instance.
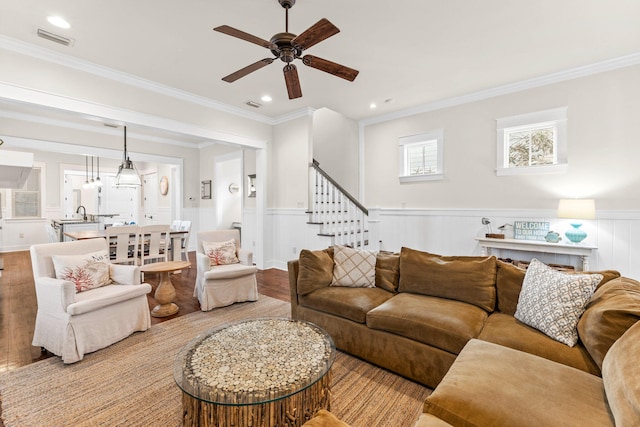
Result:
x=248 y=69
x=292 y=80
x=319 y=31
x=330 y=67
x=225 y=29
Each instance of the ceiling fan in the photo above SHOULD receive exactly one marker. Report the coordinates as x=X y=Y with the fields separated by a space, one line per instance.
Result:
x=288 y=47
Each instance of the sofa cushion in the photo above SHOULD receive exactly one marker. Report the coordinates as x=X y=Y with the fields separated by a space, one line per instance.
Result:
x=350 y=303
x=229 y=271
x=493 y=385
x=438 y=322
x=620 y=373
x=614 y=307
x=508 y=285
x=505 y=330
x=315 y=270
x=353 y=268
x=463 y=278
x=388 y=271
x=552 y=301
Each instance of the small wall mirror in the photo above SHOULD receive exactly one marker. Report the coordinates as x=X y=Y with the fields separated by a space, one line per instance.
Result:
x=251 y=185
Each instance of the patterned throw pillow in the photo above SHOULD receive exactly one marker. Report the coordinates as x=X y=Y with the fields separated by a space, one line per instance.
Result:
x=87 y=271
x=552 y=301
x=221 y=253
x=353 y=268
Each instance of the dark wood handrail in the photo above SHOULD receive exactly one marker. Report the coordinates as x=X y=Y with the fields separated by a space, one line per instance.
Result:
x=355 y=201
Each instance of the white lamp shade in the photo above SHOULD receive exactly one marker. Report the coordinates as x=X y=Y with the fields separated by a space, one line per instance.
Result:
x=577 y=209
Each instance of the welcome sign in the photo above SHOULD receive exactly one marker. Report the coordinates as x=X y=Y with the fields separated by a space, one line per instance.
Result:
x=530 y=230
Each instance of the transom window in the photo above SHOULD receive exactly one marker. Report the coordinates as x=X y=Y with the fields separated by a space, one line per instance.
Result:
x=532 y=143
x=420 y=157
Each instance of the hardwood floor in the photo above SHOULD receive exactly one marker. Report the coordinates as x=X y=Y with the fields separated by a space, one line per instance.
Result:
x=18 y=304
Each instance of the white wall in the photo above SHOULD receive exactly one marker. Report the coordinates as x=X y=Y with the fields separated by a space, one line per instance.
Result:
x=445 y=216
x=603 y=129
x=228 y=204
x=335 y=147
x=289 y=159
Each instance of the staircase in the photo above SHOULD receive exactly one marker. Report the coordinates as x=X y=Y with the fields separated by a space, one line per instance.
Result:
x=340 y=216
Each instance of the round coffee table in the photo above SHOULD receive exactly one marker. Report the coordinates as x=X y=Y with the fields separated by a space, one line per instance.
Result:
x=258 y=372
x=165 y=292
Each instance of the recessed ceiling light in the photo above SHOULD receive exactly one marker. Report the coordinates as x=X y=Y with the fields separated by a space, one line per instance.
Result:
x=372 y=105
x=58 y=21
x=266 y=98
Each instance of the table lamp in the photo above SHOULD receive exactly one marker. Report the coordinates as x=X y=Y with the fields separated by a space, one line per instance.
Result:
x=576 y=209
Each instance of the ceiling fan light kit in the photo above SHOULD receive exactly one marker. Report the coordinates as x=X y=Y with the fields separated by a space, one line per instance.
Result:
x=288 y=47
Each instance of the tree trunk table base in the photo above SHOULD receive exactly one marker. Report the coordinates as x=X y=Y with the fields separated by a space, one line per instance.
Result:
x=292 y=411
x=269 y=372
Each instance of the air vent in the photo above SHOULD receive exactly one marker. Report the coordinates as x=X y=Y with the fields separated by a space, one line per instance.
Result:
x=253 y=104
x=54 y=37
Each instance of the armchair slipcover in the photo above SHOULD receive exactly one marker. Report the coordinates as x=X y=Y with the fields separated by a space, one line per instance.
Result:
x=70 y=324
x=222 y=285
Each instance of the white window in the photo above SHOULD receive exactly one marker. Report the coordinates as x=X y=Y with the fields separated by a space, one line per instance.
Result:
x=420 y=157
x=26 y=201
x=532 y=143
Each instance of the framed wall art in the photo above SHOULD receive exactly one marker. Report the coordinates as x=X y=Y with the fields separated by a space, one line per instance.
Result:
x=205 y=189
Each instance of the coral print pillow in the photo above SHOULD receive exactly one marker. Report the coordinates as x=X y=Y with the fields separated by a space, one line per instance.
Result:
x=87 y=271
x=221 y=253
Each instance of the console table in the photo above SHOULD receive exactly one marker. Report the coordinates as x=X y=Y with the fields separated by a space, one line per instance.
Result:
x=576 y=249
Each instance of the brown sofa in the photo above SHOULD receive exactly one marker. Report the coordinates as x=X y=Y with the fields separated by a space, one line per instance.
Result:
x=428 y=310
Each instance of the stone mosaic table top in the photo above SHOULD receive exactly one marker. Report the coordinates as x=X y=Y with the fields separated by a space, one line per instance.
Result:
x=254 y=361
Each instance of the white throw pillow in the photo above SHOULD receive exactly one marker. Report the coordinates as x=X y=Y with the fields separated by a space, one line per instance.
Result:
x=86 y=271
x=221 y=253
x=353 y=268
x=552 y=301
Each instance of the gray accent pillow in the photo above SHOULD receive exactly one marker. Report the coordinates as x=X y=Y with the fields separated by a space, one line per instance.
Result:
x=552 y=301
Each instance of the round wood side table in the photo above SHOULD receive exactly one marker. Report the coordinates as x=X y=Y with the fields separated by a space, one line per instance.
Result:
x=165 y=292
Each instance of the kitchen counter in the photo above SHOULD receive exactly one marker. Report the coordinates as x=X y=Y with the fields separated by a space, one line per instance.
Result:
x=60 y=222
x=61 y=226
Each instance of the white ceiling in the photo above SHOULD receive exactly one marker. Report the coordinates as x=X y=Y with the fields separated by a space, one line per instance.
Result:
x=409 y=53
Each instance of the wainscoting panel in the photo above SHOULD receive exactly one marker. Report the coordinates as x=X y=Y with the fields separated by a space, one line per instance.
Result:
x=453 y=232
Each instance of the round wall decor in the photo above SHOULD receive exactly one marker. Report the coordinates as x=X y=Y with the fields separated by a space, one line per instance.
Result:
x=164 y=185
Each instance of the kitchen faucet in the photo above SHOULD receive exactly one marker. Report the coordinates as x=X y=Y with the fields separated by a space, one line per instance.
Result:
x=84 y=212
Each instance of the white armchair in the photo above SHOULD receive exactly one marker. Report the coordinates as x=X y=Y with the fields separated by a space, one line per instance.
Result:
x=222 y=285
x=70 y=324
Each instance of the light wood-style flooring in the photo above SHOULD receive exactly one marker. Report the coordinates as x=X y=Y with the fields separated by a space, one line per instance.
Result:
x=18 y=304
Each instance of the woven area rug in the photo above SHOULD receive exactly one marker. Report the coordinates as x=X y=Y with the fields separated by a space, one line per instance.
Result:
x=131 y=382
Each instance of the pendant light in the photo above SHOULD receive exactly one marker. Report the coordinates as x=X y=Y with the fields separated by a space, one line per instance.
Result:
x=98 y=182
x=127 y=173
x=86 y=173
x=92 y=182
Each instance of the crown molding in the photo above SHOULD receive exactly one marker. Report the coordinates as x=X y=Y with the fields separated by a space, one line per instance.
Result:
x=303 y=112
x=28 y=49
x=32 y=118
x=13 y=93
x=561 y=76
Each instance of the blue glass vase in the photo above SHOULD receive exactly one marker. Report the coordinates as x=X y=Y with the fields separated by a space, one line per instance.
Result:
x=575 y=235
